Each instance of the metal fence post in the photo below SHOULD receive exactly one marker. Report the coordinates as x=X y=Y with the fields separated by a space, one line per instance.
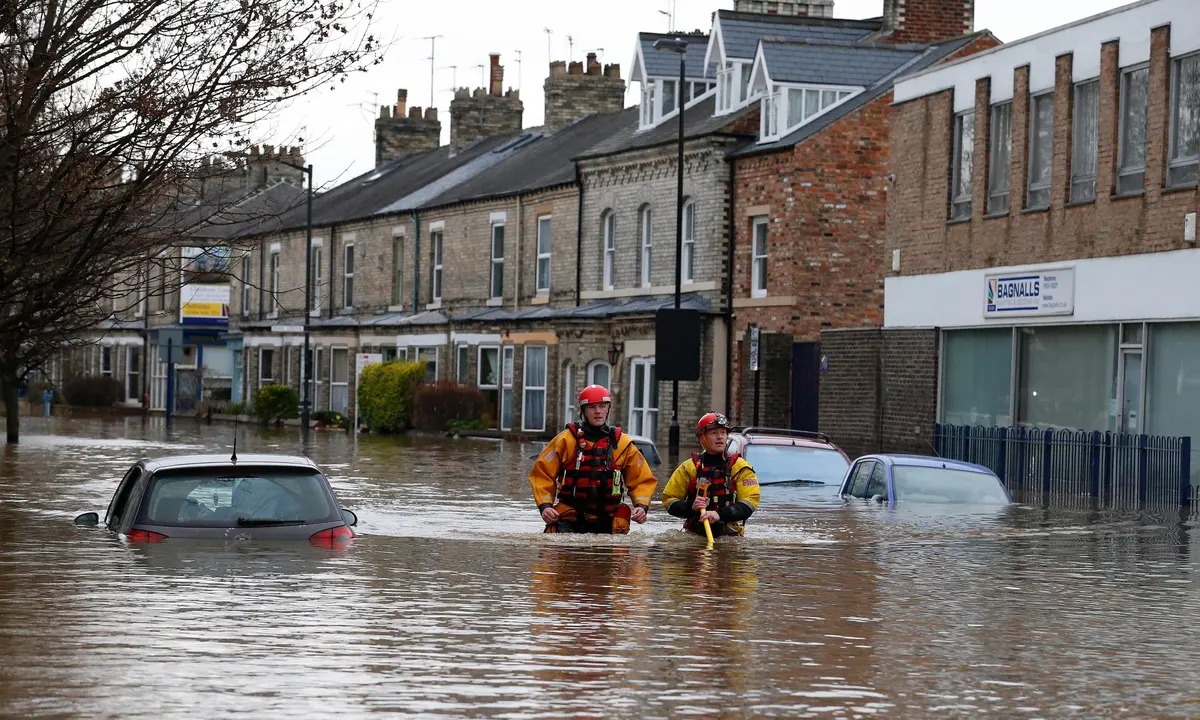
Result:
x=1095 y=440
x=1185 y=471
x=1047 y=457
x=1002 y=456
x=937 y=440
x=1143 y=457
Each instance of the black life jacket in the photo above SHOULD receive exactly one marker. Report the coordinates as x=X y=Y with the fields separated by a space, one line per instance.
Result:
x=590 y=479
x=721 y=489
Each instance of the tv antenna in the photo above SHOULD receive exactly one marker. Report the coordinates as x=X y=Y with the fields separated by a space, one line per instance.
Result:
x=432 y=53
x=453 y=74
x=518 y=54
x=570 y=49
x=549 y=45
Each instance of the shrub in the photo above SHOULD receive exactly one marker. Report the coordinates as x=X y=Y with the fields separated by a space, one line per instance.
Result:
x=91 y=391
x=275 y=403
x=34 y=393
x=234 y=408
x=437 y=406
x=385 y=394
x=329 y=418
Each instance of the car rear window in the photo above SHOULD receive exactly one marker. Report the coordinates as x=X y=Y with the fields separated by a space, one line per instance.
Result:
x=649 y=451
x=782 y=463
x=946 y=485
x=223 y=497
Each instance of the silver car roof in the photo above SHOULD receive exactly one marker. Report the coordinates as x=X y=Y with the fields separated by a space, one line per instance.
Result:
x=224 y=461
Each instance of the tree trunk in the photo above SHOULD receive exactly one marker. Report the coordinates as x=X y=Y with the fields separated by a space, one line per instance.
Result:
x=12 y=405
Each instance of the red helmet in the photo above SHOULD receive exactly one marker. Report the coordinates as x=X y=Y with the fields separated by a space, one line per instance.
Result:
x=593 y=394
x=711 y=420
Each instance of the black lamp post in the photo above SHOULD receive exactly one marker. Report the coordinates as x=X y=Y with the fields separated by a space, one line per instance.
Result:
x=677 y=45
x=305 y=370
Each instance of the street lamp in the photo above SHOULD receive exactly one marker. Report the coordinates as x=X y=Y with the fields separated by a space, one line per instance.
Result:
x=677 y=45
x=304 y=365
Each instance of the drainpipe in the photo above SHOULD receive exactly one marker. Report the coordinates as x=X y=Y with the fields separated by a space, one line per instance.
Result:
x=579 y=238
x=517 y=274
x=729 y=290
x=262 y=278
x=416 y=269
x=333 y=253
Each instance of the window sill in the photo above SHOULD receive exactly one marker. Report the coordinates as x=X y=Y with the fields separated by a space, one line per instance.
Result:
x=435 y=305
x=1129 y=195
x=1180 y=189
x=1080 y=203
x=998 y=215
x=314 y=313
x=540 y=299
x=395 y=308
x=494 y=302
x=958 y=221
x=1036 y=210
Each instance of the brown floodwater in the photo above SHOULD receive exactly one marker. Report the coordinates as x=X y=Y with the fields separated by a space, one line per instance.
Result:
x=452 y=604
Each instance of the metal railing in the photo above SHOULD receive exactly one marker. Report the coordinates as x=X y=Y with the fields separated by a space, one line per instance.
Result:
x=1074 y=466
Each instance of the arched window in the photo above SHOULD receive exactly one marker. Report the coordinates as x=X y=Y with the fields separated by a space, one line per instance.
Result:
x=599 y=372
x=608 y=235
x=688 y=262
x=647 y=237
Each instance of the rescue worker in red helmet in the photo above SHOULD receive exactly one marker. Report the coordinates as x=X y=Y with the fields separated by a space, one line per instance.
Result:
x=582 y=477
x=732 y=492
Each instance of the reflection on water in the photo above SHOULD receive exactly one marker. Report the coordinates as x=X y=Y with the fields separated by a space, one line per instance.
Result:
x=452 y=603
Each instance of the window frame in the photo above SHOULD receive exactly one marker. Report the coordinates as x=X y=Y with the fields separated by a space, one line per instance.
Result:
x=106 y=360
x=999 y=203
x=591 y=372
x=496 y=267
x=960 y=204
x=648 y=366
x=247 y=285
x=479 y=367
x=688 y=260
x=1191 y=161
x=397 y=268
x=1084 y=184
x=436 y=240
x=543 y=255
x=268 y=379
x=318 y=259
x=1042 y=199
x=758 y=262
x=569 y=392
x=608 y=240
x=348 y=275
x=646 y=245
x=1123 y=171
x=461 y=353
x=527 y=387
x=274 y=263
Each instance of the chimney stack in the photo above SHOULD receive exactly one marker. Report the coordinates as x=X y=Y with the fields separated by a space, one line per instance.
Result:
x=486 y=112
x=582 y=89
x=805 y=8
x=925 y=22
x=403 y=131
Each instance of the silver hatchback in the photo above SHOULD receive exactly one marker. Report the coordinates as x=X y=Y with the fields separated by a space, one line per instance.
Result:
x=217 y=497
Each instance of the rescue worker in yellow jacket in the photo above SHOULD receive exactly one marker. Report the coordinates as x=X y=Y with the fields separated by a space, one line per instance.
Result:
x=581 y=477
x=713 y=486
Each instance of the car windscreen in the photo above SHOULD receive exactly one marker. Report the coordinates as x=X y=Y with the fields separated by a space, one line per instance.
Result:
x=231 y=497
x=785 y=463
x=946 y=485
x=648 y=451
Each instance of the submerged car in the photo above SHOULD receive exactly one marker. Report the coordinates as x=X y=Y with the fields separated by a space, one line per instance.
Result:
x=892 y=478
x=790 y=457
x=648 y=448
x=247 y=497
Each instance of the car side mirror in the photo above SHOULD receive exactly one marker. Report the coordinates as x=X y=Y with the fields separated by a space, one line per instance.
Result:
x=88 y=519
x=349 y=517
x=879 y=498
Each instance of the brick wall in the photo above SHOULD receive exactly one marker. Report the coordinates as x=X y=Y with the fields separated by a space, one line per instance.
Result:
x=577 y=91
x=880 y=391
x=811 y=8
x=1112 y=225
x=476 y=115
x=774 y=380
x=927 y=21
x=402 y=131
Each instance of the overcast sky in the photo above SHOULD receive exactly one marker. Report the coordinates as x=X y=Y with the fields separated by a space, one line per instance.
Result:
x=338 y=125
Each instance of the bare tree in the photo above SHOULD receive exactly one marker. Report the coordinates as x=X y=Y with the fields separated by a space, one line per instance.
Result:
x=106 y=108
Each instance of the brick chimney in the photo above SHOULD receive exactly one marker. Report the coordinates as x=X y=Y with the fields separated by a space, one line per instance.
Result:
x=398 y=133
x=926 y=21
x=807 y=8
x=579 y=91
x=486 y=112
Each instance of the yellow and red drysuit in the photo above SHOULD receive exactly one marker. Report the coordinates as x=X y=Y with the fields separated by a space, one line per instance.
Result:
x=733 y=492
x=584 y=473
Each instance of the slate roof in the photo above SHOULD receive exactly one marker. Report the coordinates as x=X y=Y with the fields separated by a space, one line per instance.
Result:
x=259 y=212
x=881 y=86
x=698 y=121
x=740 y=31
x=835 y=63
x=665 y=63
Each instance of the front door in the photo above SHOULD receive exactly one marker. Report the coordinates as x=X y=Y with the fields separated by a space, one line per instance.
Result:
x=1130 y=420
x=806 y=385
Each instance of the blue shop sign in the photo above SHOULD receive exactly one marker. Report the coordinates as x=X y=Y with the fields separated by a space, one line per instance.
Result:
x=1044 y=292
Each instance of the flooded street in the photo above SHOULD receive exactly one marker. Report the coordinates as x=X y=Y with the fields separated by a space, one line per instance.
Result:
x=451 y=603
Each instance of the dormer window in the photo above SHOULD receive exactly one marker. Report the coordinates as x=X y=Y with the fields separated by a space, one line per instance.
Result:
x=660 y=98
x=733 y=86
x=787 y=107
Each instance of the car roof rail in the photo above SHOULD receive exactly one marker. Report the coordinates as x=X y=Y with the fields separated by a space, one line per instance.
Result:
x=811 y=434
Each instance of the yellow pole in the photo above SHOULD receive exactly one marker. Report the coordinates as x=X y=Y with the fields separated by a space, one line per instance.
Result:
x=702 y=491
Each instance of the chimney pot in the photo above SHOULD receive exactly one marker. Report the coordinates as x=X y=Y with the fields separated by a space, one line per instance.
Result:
x=593 y=66
x=575 y=68
x=401 y=98
x=431 y=114
x=414 y=112
x=558 y=68
x=496 y=84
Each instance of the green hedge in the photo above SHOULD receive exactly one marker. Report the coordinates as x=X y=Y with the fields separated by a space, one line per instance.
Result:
x=385 y=395
x=449 y=406
x=276 y=403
